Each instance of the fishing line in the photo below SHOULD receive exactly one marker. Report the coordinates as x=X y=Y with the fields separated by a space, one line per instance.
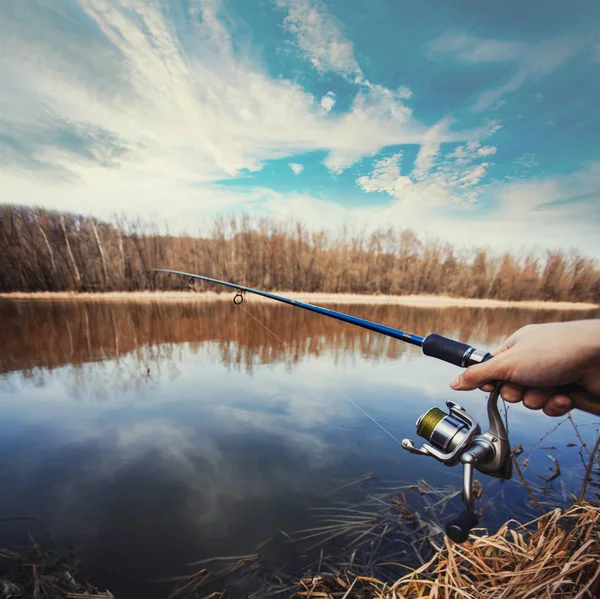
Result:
x=333 y=385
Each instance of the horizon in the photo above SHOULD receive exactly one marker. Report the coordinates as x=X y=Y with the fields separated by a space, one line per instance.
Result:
x=476 y=126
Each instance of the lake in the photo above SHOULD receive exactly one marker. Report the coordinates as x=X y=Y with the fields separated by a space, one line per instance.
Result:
x=149 y=435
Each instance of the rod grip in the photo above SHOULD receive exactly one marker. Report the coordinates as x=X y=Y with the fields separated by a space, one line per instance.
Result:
x=449 y=350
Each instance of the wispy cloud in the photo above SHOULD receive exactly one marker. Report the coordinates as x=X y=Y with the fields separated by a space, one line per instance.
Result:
x=138 y=105
x=319 y=37
x=450 y=182
x=469 y=49
x=111 y=105
x=565 y=196
x=531 y=61
x=296 y=168
x=470 y=151
x=555 y=211
x=429 y=149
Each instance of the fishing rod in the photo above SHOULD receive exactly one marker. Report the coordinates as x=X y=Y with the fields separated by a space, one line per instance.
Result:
x=454 y=437
x=433 y=345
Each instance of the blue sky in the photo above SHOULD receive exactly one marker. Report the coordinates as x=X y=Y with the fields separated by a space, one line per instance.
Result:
x=473 y=122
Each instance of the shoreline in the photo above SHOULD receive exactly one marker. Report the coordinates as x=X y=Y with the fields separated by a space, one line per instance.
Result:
x=421 y=301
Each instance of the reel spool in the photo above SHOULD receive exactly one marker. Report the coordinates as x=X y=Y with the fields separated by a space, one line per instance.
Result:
x=455 y=437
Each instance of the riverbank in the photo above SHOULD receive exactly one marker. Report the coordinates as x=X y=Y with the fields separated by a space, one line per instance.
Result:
x=422 y=301
x=556 y=555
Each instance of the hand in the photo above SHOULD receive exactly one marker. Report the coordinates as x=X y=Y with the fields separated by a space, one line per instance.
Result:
x=536 y=360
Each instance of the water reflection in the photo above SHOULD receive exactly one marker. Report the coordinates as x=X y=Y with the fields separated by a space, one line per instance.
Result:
x=49 y=335
x=231 y=435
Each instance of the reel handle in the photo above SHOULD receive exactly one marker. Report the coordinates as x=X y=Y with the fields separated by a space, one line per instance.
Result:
x=458 y=530
x=461 y=354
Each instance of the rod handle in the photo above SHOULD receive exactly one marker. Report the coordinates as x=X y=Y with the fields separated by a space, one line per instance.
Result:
x=453 y=352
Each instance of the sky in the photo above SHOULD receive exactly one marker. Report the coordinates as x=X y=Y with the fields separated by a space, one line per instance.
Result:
x=476 y=123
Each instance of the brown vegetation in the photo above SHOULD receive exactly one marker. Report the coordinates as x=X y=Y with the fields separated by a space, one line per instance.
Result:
x=555 y=556
x=42 y=250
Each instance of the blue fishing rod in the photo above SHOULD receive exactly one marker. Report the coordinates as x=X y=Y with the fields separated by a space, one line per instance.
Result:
x=433 y=345
x=453 y=437
x=436 y=346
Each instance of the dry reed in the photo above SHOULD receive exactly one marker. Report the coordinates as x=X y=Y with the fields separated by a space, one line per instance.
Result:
x=556 y=556
x=387 y=547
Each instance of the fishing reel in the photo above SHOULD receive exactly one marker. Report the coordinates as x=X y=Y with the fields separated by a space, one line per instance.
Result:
x=455 y=438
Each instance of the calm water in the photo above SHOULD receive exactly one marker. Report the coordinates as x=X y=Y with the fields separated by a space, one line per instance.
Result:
x=152 y=435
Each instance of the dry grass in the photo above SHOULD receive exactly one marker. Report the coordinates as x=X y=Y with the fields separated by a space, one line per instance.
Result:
x=390 y=547
x=425 y=301
x=36 y=571
x=556 y=556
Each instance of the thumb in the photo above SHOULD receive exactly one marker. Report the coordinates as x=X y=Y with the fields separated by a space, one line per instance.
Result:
x=479 y=374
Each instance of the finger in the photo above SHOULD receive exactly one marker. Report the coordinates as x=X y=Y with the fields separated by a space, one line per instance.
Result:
x=505 y=346
x=558 y=405
x=488 y=387
x=535 y=399
x=481 y=374
x=500 y=349
x=511 y=393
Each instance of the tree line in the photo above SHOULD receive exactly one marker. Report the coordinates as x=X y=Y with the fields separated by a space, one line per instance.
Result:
x=45 y=250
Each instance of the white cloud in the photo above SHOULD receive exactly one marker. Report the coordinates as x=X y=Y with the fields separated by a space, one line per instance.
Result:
x=328 y=101
x=550 y=212
x=470 y=151
x=297 y=168
x=486 y=151
x=430 y=148
x=531 y=61
x=377 y=116
x=467 y=48
x=131 y=115
x=448 y=181
x=318 y=35
x=559 y=196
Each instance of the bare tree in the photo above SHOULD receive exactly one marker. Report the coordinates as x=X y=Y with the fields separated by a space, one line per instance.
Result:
x=45 y=250
x=70 y=252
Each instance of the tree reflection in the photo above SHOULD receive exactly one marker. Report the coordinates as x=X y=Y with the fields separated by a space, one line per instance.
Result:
x=150 y=335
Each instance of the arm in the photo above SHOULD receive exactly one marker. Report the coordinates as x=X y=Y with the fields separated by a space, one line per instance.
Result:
x=536 y=360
